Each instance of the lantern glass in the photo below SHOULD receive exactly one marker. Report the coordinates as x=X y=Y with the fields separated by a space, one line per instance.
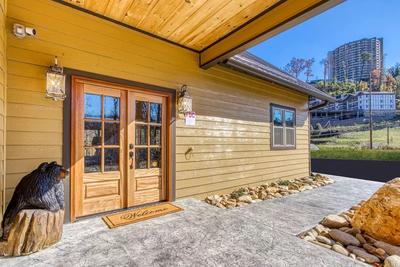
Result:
x=185 y=104
x=55 y=85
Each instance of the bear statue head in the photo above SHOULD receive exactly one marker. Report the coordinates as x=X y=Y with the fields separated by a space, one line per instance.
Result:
x=55 y=170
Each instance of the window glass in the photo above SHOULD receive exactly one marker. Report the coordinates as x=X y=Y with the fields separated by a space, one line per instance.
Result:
x=111 y=108
x=142 y=109
x=92 y=133
x=283 y=127
x=111 y=159
x=111 y=133
x=155 y=112
x=289 y=118
x=92 y=159
x=277 y=117
x=92 y=106
x=141 y=158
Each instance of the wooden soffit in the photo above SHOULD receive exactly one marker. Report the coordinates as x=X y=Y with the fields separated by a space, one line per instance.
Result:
x=216 y=29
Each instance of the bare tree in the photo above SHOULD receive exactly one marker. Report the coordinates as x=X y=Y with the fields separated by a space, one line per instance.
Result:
x=308 y=68
x=295 y=67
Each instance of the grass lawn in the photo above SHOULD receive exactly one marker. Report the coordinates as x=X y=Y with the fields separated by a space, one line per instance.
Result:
x=355 y=154
x=353 y=145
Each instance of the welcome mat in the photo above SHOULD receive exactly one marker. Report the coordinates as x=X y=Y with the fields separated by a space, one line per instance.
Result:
x=137 y=215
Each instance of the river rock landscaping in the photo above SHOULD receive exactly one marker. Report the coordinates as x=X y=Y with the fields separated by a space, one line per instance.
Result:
x=247 y=195
x=368 y=232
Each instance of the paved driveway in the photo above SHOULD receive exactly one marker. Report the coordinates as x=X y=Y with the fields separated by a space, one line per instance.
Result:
x=261 y=234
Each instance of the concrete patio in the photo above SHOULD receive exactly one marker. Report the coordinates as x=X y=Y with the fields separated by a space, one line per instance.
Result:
x=261 y=234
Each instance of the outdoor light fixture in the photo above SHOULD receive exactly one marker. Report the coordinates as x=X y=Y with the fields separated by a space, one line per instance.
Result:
x=55 y=82
x=184 y=100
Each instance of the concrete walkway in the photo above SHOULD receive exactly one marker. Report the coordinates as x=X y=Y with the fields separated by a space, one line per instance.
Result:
x=261 y=234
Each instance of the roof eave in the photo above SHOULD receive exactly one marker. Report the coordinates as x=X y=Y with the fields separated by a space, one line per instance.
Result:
x=244 y=68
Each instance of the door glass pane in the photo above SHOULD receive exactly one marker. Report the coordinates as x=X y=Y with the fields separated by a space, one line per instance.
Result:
x=141 y=158
x=155 y=157
x=155 y=112
x=92 y=106
x=277 y=117
x=155 y=135
x=92 y=159
x=141 y=134
x=111 y=108
x=92 y=133
x=142 y=109
x=111 y=133
x=111 y=159
x=289 y=118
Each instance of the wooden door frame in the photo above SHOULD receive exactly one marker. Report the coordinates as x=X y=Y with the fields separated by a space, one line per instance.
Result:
x=68 y=142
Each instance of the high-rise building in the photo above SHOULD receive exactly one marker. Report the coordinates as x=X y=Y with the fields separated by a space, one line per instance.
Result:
x=345 y=63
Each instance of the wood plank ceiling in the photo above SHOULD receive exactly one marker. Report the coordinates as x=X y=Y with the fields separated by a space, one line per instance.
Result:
x=195 y=24
x=216 y=29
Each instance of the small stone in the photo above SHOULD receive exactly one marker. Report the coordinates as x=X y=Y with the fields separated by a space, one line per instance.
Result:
x=351 y=255
x=245 y=199
x=390 y=249
x=334 y=221
x=361 y=238
x=220 y=205
x=369 y=258
x=353 y=231
x=392 y=261
x=308 y=238
x=320 y=229
x=256 y=200
x=381 y=252
x=277 y=195
x=344 y=238
x=213 y=200
x=340 y=249
x=360 y=259
x=321 y=244
x=371 y=249
x=262 y=195
x=325 y=240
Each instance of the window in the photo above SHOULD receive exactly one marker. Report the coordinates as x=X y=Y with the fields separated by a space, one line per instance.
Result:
x=283 y=127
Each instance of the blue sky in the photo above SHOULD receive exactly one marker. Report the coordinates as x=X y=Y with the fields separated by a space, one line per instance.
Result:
x=351 y=20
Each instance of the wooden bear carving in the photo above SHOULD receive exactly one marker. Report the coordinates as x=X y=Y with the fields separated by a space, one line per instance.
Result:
x=41 y=189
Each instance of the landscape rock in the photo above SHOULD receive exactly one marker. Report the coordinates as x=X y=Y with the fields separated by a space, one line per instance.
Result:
x=325 y=240
x=392 y=261
x=379 y=216
x=363 y=254
x=340 y=249
x=33 y=230
x=344 y=238
x=245 y=199
x=390 y=249
x=334 y=221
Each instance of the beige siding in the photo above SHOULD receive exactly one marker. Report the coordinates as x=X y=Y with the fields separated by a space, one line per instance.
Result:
x=3 y=78
x=230 y=139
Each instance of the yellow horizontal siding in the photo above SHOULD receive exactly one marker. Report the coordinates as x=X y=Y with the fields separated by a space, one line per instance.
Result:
x=231 y=139
x=3 y=99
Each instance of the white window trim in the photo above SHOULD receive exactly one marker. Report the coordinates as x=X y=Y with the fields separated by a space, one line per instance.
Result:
x=283 y=109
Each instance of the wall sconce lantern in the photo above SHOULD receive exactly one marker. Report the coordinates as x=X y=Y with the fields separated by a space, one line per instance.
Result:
x=55 y=82
x=184 y=100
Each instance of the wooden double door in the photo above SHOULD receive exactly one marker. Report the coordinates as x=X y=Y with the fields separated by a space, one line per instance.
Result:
x=119 y=147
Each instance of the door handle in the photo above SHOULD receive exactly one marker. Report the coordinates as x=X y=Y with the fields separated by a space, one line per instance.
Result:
x=131 y=159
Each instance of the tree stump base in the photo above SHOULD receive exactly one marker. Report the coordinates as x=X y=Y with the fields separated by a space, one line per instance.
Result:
x=33 y=230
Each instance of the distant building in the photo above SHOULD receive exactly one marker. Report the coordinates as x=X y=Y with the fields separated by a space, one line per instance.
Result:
x=345 y=62
x=357 y=105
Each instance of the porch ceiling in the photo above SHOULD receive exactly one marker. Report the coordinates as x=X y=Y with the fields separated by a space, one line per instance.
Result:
x=216 y=29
